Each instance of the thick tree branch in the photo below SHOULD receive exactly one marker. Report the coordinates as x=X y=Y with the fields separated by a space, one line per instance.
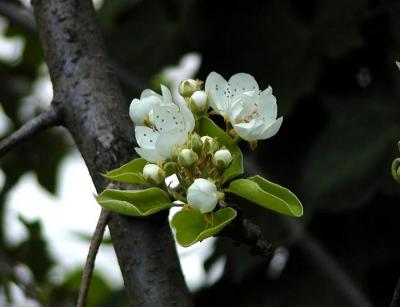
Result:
x=96 y=115
x=22 y=17
x=44 y=120
x=91 y=257
x=18 y=15
x=396 y=296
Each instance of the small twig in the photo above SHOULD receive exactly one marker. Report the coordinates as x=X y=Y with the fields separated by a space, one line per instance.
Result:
x=243 y=231
x=91 y=257
x=18 y=15
x=46 y=119
x=396 y=296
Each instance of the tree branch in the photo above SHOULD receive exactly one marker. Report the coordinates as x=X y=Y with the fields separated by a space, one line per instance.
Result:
x=91 y=257
x=18 y=15
x=44 y=120
x=396 y=296
x=243 y=231
x=318 y=255
x=96 y=114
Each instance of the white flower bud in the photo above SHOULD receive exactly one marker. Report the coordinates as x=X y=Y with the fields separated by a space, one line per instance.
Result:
x=222 y=158
x=209 y=144
x=198 y=102
x=187 y=157
x=153 y=174
x=188 y=87
x=202 y=195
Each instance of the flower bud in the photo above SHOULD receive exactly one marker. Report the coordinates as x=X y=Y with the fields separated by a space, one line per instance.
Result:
x=209 y=144
x=198 y=102
x=187 y=157
x=222 y=158
x=195 y=142
x=188 y=87
x=203 y=195
x=153 y=174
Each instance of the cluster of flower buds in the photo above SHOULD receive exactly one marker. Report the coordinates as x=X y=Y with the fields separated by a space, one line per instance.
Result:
x=196 y=99
x=192 y=162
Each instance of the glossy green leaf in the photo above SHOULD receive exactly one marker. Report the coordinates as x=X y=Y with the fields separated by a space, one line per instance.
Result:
x=191 y=226
x=135 y=202
x=128 y=173
x=206 y=126
x=267 y=194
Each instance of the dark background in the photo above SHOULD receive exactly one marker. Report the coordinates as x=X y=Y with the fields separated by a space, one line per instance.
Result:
x=331 y=64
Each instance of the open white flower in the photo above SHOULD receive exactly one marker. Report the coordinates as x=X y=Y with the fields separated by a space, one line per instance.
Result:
x=171 y=124
x=252 y=112
x=202 y=195
x=223 y=93
x=253 y=115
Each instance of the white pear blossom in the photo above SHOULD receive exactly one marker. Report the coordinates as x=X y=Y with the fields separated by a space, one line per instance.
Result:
x=202 y=195
x=252 y=112
x=171 y=124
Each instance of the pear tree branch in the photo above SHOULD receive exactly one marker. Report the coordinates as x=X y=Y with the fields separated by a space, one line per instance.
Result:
x=91 y=257
x=44 y=120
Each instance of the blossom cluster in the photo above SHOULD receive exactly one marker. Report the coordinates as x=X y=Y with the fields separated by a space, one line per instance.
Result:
x=165 y=130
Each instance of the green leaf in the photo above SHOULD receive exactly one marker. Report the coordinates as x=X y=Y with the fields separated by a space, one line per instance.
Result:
x=206 y=126
x=267 y=194
x=191 y=226
x=135 y=202
x=128 y=173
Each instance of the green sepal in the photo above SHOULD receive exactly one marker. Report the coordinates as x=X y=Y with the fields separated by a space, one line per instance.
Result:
x=191 y=225
x=134 y=202
x=206 y=126
x=267 y=194
x=130 y=172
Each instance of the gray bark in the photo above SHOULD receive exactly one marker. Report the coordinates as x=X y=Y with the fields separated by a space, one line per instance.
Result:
x=93 y=110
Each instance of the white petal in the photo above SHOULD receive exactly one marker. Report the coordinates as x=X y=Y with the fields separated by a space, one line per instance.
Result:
x=241 y=82
x=148 y=92
x=235 y=109
x=267 y=106
x=251 y=130
x=249 y=101
x=150 y=155
x=146 y=137
x=187 y=115
x=139 y=109
x=167 y=97
x=272 y=129
x=167 y=140
x=216 y=86
x=167 y=118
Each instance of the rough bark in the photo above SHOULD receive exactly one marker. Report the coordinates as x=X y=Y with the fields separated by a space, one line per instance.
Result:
x=94 y=112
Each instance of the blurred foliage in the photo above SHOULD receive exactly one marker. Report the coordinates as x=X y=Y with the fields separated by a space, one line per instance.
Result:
x=332 y=67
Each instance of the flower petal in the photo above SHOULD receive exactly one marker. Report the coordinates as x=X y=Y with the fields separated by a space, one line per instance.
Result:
x=250 y=131
x=241 y=82
x=148 y=92
x=216 y=86
x=167 y=118
x=150 y=155
x=166 y=94
x=187 y=116
x=267 y=106
x=167 y=140
x=139 y=109
x=272 y=129
x=146 y=137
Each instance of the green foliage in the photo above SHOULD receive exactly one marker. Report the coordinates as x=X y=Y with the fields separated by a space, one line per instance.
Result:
x=206 y=126
x=129 y=172
x=192 y=226
x=135 y=202
x=267 y=194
